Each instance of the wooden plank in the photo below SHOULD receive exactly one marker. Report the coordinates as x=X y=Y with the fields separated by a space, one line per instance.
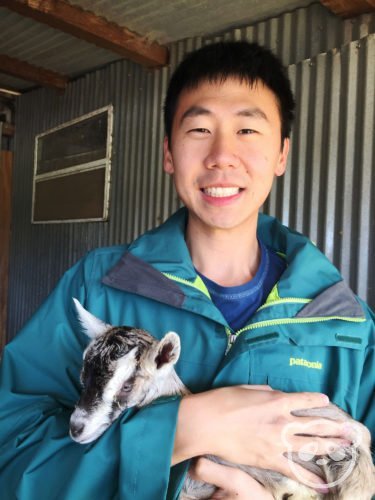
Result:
x=26 y=71
x=9 y=92
x=5 y=218
x=88 y=26
x=349 y=8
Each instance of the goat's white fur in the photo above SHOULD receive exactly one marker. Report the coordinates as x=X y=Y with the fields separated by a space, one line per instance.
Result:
x=99 y=421
x=91 y=325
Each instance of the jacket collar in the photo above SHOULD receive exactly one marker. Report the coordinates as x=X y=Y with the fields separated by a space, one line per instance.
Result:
x=163 y=250
x=131 y=274
x=308 y=272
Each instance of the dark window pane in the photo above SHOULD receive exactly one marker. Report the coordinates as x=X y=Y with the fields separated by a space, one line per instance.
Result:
x=74 y=196
x=74 y=144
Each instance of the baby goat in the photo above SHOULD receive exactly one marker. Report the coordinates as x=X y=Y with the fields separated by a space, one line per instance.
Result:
x=125 y=367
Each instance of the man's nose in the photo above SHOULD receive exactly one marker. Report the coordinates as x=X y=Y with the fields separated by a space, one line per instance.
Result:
x=222 y=153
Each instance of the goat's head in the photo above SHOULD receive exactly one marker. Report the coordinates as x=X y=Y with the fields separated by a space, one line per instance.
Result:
x=122 y=367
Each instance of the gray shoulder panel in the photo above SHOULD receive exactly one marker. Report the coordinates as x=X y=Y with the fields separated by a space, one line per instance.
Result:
x=337 y=300
x=132 y=274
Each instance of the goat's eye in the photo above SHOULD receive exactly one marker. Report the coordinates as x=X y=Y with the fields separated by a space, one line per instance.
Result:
x=127 y=387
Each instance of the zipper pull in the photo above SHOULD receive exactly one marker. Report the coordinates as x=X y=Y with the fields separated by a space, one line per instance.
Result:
x=231 y=340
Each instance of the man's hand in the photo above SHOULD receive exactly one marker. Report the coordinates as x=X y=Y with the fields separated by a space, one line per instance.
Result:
x=233 y=484
x=246 y=425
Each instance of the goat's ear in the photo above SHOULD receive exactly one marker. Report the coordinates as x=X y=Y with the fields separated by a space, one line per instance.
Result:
x=168 y=350
x=91 y=325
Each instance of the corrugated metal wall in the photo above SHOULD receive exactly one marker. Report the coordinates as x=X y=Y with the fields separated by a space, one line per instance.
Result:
x=327 y=192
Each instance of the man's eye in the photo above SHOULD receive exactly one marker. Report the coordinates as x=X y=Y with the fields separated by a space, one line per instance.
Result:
x=247 y=131
x=200 y=130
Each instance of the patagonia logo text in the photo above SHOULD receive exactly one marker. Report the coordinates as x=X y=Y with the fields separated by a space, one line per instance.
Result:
x=317 y=365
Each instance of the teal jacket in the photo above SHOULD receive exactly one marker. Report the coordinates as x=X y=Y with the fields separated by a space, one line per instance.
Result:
x=312 y=334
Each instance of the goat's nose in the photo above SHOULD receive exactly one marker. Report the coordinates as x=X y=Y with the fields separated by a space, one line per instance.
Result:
x=76 y=429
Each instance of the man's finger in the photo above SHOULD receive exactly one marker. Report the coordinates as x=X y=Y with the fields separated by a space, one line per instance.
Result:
x=305 y=400
x=315 y=445
x=318 y=426
x=233 y=482
x=209 y=472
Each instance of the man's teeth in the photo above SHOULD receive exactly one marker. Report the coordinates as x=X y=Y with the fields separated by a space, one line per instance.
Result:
x=221 y=192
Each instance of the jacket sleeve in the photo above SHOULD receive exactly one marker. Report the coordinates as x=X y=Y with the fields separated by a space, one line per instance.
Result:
x=366 y=396
x=39 y=384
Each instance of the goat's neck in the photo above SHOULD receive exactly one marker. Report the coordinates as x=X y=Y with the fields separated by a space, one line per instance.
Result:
x=170 y=385
x=173 y=385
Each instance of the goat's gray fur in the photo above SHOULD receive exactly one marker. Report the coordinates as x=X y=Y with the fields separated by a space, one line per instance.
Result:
x=125 y=367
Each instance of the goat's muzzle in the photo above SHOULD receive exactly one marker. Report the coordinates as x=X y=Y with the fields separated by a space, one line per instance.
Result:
x=76 y=429
x=77 y=424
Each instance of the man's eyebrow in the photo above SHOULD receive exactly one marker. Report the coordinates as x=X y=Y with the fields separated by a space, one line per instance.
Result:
x=194 y=111
x=253 y=113
x=247 y=112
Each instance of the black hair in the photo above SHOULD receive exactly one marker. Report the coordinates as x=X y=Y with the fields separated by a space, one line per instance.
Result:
x=249 y=62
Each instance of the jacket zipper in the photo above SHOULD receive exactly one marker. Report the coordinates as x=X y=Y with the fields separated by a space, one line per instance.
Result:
x=197 y=284
x=286 y=321
x=286 y=300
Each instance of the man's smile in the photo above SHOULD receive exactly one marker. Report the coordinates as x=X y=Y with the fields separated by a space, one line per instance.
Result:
x=221 y=192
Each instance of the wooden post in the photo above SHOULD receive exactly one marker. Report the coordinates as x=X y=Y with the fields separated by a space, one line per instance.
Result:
x=6 y=158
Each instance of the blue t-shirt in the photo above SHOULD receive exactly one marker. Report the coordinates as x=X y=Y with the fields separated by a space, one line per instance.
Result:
x=238 y=303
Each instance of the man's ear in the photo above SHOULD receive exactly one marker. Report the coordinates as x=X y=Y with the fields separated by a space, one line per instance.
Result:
x=283 y=158
x=167 y=158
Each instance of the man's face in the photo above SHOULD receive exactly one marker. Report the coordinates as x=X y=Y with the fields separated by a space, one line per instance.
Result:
x=225 y=151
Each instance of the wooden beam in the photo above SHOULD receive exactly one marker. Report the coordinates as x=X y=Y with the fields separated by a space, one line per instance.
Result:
x=89 y=27
x=9 y=92
x=26 y=71
x=349 y=8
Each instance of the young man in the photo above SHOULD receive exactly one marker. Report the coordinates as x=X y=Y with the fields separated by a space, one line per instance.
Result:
x=257 y=307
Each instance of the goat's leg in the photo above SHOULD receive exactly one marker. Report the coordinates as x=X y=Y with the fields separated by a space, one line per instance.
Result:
x=355 y=474
x=349 y=472
x=279 y=486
